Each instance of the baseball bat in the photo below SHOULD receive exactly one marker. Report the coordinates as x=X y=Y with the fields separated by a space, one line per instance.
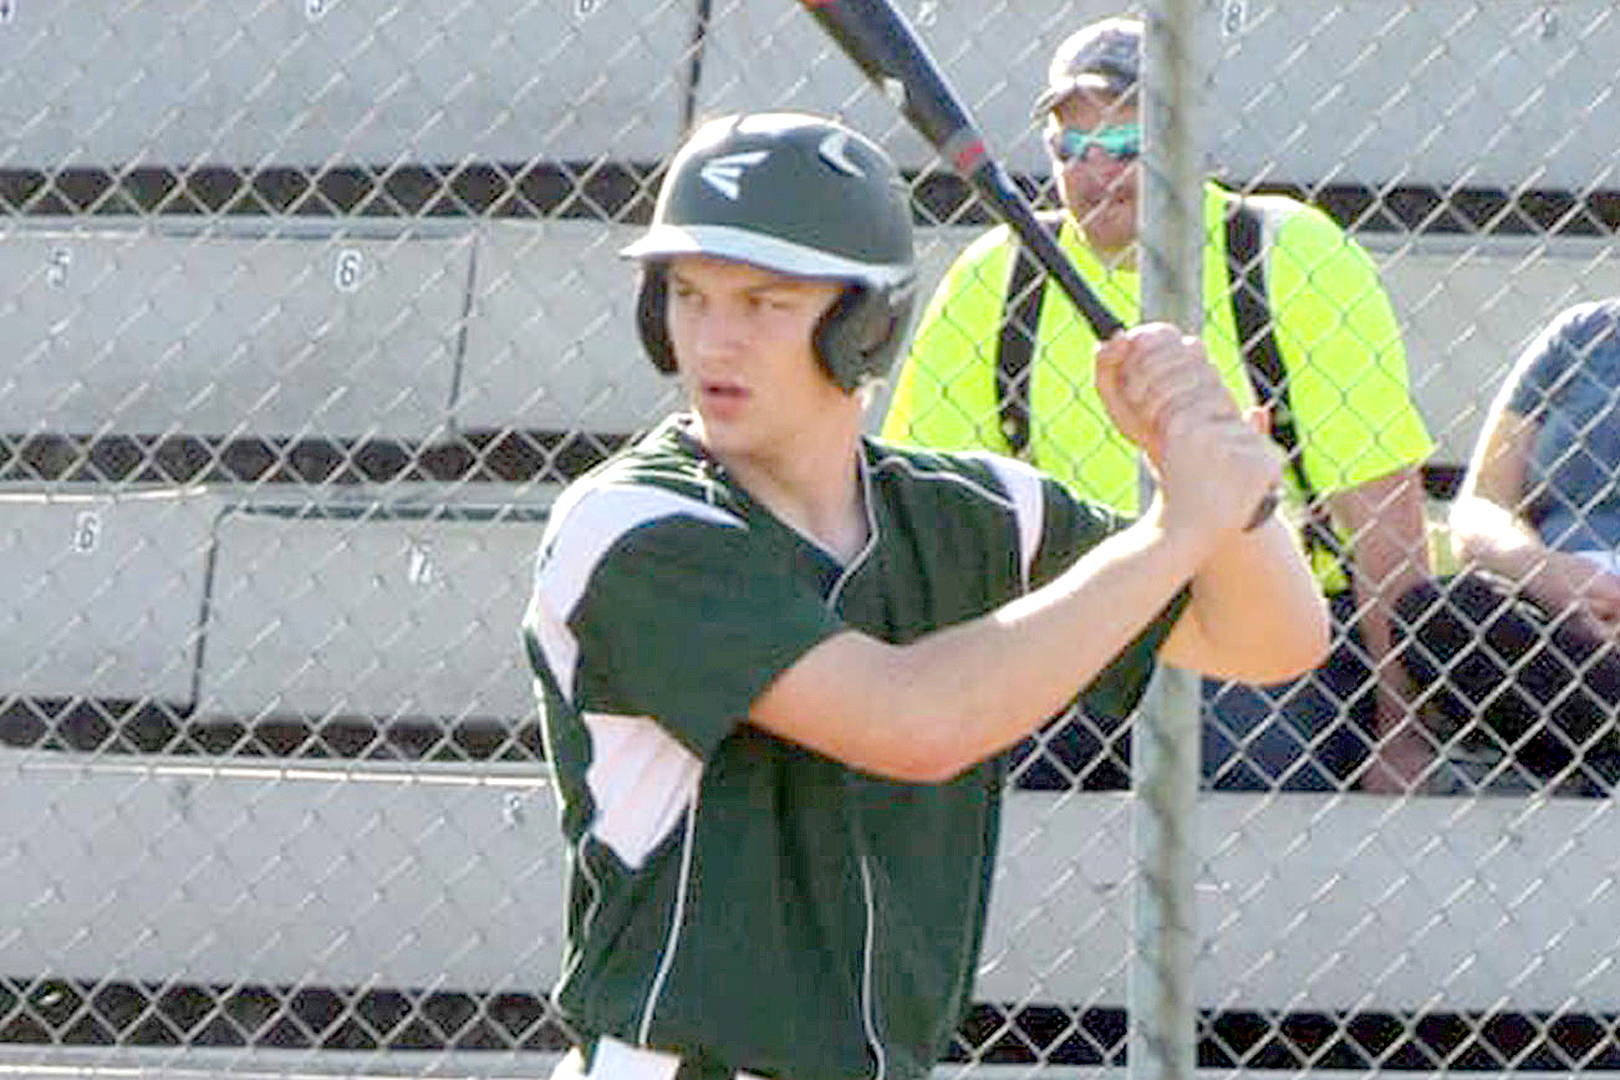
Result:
x=884 y=46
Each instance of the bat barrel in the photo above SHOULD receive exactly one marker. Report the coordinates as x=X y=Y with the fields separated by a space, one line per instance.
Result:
x=1009 y=203
x=882 y=44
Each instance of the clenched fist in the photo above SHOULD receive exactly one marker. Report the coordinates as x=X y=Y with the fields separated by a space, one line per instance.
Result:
x=1213 y=464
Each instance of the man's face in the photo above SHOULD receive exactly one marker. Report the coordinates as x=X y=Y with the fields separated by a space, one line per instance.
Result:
x=742 y=341
x=1099 y=188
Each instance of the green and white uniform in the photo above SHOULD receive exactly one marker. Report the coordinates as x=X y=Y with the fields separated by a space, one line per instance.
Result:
x=735 y=897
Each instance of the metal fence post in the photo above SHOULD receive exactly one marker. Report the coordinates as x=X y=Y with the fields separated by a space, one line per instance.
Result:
x=1163 y=1021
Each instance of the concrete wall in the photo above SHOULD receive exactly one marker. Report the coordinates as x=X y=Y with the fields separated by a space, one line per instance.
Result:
x=250 y=326
x=341 y=874
x=1482 y=93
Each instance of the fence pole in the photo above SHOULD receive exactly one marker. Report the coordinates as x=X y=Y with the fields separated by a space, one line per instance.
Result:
x=1163 y=1019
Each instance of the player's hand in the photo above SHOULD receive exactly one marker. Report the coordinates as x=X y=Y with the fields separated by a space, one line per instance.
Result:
x=1214 y=465
x=1143 y=373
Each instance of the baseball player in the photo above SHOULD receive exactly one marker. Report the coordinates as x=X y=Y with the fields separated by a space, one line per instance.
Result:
x=779 y=662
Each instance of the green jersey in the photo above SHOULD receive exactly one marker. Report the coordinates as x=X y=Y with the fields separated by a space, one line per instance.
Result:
x=733 y=896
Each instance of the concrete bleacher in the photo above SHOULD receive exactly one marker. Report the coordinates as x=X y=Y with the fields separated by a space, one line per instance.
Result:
x=1378 y=90
x=1468 y=305
x=551 y=343
x=361 y=609
x=419 y=331
x=104 y=595
x=317 y=81
x=273 y=593
x=237 y=327
x=345 y=874
x=499 y=327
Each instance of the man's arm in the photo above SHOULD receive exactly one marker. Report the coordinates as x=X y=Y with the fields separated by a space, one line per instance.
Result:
x=1488 y=528
x=1362 y=439
x=928 y=709
x=1389 y=539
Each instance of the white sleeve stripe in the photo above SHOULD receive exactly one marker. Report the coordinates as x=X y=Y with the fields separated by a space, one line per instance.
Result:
x=641 y=780
x=1023 y=484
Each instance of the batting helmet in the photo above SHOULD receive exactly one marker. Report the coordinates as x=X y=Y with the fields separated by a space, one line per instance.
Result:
x=799 y=195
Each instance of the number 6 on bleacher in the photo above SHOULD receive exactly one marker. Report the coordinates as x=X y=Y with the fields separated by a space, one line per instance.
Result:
x=347 y=275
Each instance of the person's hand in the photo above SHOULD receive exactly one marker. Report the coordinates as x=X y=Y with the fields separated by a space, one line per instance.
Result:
x=1109 y=367
x=1399 y=763
x=1213 y=464
x=1568 y=582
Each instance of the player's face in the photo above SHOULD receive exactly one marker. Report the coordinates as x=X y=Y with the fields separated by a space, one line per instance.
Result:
x=742 y=340
x=1099 y=184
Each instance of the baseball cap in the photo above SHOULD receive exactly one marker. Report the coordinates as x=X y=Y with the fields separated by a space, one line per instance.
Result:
x=1105 y=56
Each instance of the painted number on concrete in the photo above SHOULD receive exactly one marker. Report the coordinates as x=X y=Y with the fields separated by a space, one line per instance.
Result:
x=56 y=266
x=1234 y=17
x=420 y=569
x=86 y=532
x=346 y=275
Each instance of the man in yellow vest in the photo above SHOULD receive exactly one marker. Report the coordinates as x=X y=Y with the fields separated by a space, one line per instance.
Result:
x=1345 y=398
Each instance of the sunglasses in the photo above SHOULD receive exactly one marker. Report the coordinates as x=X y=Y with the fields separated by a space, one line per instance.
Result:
x=1122 y=142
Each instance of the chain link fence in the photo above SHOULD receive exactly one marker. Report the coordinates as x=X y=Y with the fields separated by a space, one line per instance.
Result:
x=312 y=306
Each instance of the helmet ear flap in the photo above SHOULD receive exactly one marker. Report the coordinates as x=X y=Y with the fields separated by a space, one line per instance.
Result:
x=652 y=307
x=859 y=335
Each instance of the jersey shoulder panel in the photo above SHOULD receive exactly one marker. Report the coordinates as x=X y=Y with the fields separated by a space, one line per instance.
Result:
x=657 y=478
x=970 y=477
x=1051 y=527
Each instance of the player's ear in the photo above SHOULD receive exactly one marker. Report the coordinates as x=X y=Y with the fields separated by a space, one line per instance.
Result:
x=652 y=315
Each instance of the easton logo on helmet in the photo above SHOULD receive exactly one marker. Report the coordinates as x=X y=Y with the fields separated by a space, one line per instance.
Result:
x=724 y=174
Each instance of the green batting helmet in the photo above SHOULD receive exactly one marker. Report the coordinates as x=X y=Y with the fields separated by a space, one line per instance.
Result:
x=799 y=195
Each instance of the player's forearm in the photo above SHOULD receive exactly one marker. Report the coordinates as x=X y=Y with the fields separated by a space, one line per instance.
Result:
x=1256 y=613
x=926 y=710
x=978 y=687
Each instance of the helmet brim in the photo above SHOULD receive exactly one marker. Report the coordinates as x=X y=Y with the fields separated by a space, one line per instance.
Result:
x=762 y=250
